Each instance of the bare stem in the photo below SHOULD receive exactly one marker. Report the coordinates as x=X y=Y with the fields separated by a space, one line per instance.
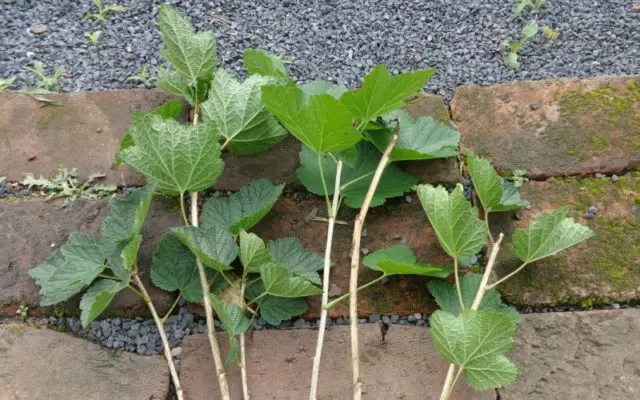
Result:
x=182 y=210
x=455 y=272
x=173 y=306
x=486 y=222
x=355 y=264
x=243 y=355
x=447 y=387
x=204 y=285
x=335 y=302
x=161 y=331
x=326 y=274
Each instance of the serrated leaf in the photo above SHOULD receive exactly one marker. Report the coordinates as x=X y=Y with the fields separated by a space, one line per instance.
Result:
x=356 y=178
x=253 y=252
x=214 y=246
x=289 y=253
x=495 y=193
x=70 y=269
x=239 y=114
x=97 y=298
x=174 y=268
x=446 y=295
x=318 y=121
x=477 y=342
x=192 y=54
x=230 y=315
x=175 y=158
x=381 y=93
x=274 y=309
x=529 y=30
x=130 y=252
x=171 y=109
x=261 y=63
x=455 y=220
x=126 y=216
x=243 y=209
x=419 y=139
x=172 y=82
x=118 y=259
x=400 y=260
x=322 y=87
x=547 y=235
x=279 y=281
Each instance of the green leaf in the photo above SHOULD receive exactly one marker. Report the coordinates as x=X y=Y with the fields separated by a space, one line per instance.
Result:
x=126 y=216
x=243 y=209
x=355 y=179
x=241 y=118
x=214 y=246
x=174 y=268
x=70 y=269
x=381 y=93
x=130 y=252
x=511 y=59
x=261 y=63
x=279 y=281
x=419 y=139
x=230 y=315
x=175 y=158
x=171 y=109
x=253 y=252
x=477 y=342
x=192 y=54
x=117 y=260
x=319 y=121
x=547 y=235
x=495 y=194
x=400 y=260
x=289 y=253
x=274 y=309
x=322 y=87
x=97 y=298
x=454 y=219
x=446 y=295
x=529 y=30
x=173 y=82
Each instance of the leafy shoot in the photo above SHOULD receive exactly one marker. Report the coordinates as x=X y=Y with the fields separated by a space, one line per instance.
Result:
x=103 y=11
x=549 y=33
x=93 y=38
x=142 y=77
x=45 y=83
x=511 y=49
x=533 y=5
x=6 y=83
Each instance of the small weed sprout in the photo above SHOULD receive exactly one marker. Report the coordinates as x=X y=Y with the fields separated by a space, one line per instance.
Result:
x=67 y=185
x=103 y=11
x=533 y=5
x=142 y=77
x=45 y=83
x=549 y=33
x=6 y=83
x=94 y=37
x=511 y=49
x=23 y=312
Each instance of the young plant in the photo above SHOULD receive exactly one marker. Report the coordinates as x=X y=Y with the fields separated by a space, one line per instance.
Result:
x=6 y=83
x=23 y=312
x=67 y=185
x=511 y=49
x=103 y=11
x=549 y=33
x=533 y=5
x=142 y=77
x=473 y=330
x=343 y=134
x=94 y=37
x=45 y=83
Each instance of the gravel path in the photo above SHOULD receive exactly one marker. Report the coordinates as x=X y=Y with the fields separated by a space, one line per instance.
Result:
x=338 y=40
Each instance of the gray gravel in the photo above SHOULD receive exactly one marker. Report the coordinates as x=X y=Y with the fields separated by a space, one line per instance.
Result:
x=337 y=40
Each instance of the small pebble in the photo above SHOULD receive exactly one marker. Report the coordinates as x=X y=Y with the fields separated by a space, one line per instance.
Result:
x=364 y=251
x=615 y=178
x=365 y=233
x=176 y=352
x=600 y=175
x=38 y=29
x=615 y=306
x=534 y=106
x=374 y=318
x=386 y=320
x=588 y=216
x=592 y=209
x=407 y=198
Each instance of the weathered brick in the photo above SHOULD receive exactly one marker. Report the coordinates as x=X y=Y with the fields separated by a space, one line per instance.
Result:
x=401 y=295
x=604 y=269
x=32 y=229
x=553 y=128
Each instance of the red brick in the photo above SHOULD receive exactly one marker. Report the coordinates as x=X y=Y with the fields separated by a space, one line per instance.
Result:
x=553 y=128
x=604 y=269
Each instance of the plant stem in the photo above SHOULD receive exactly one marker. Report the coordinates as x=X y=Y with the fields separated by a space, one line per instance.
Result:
x=243 y=356
x=504 y=278
x=335 y=302
x=455 y=272
x=486 y=222
x=355 y=264
x=324 y=185
x=204 y=285
x=182 y=209
x=449 y=383
x=161 y=331
x=333 y=213
x=455 y=380
x=173 y=306
x=355 y=180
